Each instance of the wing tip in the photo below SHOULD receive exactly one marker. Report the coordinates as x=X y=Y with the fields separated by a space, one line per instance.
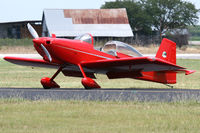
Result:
x=6 y=58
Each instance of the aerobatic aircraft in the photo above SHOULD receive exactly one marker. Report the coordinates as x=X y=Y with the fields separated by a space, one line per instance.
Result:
x=79 y=58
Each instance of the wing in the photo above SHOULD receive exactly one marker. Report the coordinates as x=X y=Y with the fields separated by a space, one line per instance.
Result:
x=30 y=62
x=144 y=64
x=69 y=69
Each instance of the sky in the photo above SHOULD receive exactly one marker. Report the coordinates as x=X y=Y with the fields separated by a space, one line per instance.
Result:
x=20 y=10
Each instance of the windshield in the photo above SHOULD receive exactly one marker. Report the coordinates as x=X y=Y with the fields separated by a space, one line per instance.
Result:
x=86 y=38
x=114 y=47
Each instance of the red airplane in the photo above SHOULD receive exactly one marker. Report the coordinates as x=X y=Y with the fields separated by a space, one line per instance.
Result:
x=79 y=58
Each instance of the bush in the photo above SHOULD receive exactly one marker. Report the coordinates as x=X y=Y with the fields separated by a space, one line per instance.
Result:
x=179 y=37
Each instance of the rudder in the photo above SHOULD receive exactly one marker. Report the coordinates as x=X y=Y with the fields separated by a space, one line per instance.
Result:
x=167 y=51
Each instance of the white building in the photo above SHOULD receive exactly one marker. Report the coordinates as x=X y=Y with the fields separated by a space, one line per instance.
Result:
x=98 y=22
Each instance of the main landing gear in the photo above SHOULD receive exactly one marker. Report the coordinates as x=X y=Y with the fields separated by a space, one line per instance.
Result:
x=49 y=83
x=87 y=82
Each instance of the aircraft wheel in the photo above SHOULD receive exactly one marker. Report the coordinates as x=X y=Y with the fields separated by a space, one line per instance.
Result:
x=89 y=83
x=46 y=87
x=88 y=88
x=47 y=83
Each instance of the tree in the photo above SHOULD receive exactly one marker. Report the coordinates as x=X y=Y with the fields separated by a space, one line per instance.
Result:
x=138 y=18
x=170 y=14
x=146 y=16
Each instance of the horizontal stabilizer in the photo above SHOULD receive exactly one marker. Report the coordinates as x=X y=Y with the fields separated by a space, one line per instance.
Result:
x=187 y=72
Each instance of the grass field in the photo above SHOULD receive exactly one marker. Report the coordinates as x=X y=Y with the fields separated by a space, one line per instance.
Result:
x=21 y=116
x=194 y=38
x=19 y=76
x=16 y=46
x=16 y=42
x=47 y=116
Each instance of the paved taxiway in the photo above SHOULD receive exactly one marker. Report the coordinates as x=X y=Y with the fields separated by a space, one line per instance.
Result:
x=163 y=95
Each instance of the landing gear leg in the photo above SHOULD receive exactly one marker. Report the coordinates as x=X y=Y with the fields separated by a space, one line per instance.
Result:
x=87 y=82
x=49 y=83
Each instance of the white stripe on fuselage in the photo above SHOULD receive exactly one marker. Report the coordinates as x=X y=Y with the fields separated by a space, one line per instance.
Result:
x=84 y=52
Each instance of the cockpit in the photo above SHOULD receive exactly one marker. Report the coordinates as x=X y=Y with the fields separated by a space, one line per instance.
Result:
x=111 y=47
x=116 y=47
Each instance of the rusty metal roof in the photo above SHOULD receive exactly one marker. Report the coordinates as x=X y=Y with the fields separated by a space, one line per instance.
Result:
x=97 y=16
x=98 y=22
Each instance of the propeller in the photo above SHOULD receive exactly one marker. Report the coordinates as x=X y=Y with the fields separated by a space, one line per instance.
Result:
x=32 y=31
x=46 y=52
x=35 y=36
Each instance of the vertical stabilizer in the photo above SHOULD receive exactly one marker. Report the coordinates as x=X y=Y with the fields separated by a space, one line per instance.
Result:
x=167 y=51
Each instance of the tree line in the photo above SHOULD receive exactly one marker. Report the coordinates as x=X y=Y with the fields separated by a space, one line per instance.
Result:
x=148 y=17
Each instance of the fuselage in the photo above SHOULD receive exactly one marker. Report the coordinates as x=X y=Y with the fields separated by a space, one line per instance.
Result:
x=69 y=51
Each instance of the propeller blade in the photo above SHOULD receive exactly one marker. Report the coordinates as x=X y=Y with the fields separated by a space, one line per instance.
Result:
x=32 y=31
x=46 y=52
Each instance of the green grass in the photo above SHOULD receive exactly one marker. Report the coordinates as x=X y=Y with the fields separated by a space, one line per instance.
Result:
x=16 y=42
x=11 y=46
x=21 y=116
x=194 y=32
x=194 y=38
x=47 y=116
x=20 y=76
